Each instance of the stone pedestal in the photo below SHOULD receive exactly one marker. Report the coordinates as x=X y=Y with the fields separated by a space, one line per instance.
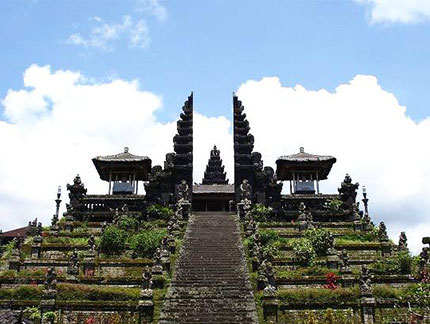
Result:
x=386 y=249
x=348 y=280
x=14 y=263
x=302 y=226
x=333 y=261
x=47 y=304
x=270 y=308
x=368 y=310
x=145 y=306
x=68 y=226
x=89 y=266
x=261 y=282
x=36 y=250
x=358 y=226
x=186 y=209
x=55 y=230
x=240 y=210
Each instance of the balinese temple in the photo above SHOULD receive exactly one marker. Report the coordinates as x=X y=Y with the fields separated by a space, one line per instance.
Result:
x=304 y=171
x=214 y=173
x=183 y=252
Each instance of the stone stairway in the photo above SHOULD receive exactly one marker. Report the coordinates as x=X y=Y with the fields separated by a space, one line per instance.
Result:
x=211 y=283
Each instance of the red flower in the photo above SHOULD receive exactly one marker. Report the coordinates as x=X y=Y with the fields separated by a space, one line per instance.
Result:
x=331 y=280
x=90 y=320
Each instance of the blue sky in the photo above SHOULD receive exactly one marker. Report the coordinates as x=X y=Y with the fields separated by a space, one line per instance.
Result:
x=212 y=46
x=348 y=78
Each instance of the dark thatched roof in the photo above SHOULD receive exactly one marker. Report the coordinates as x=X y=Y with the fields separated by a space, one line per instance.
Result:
x=304 y=162
x=123 y=162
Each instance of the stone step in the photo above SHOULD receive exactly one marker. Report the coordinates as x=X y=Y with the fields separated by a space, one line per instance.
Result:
x=211 y=283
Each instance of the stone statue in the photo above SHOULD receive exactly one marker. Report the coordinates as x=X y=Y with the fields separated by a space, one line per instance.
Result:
x=39 y=229
x=344 y=262
x=331 y=250
x=382 y=233
x=73 y=267
x=50 y=279
x=183 y=189
x=157 y=268
x=245 y=190
x=76 y=192
x=403 y=241
x=348 y=191
x=92 y=243
x=146 y=279
x=365 y=282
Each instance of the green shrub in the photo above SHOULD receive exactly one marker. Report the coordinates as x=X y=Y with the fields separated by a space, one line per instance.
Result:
x=370 y=236
x=333 y=205
x=304 y=253
x=318 y=295
x=159 y=212
x=24 y=292
x=268 y=236
x=260 y=212
x=146 y=242
x=319 y=238
x=50 y=316
x=95 y=293
x=128 y=223
x=401 y=263
x=32 y=313
x=113 y=240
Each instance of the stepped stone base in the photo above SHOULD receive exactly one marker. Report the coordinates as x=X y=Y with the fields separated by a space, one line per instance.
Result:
x=211 y=283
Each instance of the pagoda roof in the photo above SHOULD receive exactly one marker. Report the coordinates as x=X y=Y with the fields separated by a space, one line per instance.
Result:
x=304 y=162
x=123 y=162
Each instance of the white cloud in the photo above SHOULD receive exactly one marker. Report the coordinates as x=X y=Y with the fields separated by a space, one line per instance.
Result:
x=59 y=120
x=153 y=7
x=365 y=128
x=104 y=35
x=397 y=11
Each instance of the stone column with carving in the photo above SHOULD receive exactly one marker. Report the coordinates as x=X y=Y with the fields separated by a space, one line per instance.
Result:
x=146 y=304
x=367 y=301
x=49 y=295
x=15 y=258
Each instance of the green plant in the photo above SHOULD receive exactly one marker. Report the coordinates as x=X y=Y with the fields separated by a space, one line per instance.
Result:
x=146 y=242
x=23 y=292
x=49 y=316
x=304 y=252
x=159 y=212
x=401 y=263
x=32 y=313
x=333 y=205
x=329 y=316
x=8 y=249
x=319 y=238
x=261 y=212
x=94 y=293
x=113 y=240
x=128 y=223
x=311 y=319
x=268 y=236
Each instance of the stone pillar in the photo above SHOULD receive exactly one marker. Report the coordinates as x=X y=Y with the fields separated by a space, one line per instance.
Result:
x=333 y=261
x=89 y=265
x=367 y=310
x=270 y=308
x=186 y=209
